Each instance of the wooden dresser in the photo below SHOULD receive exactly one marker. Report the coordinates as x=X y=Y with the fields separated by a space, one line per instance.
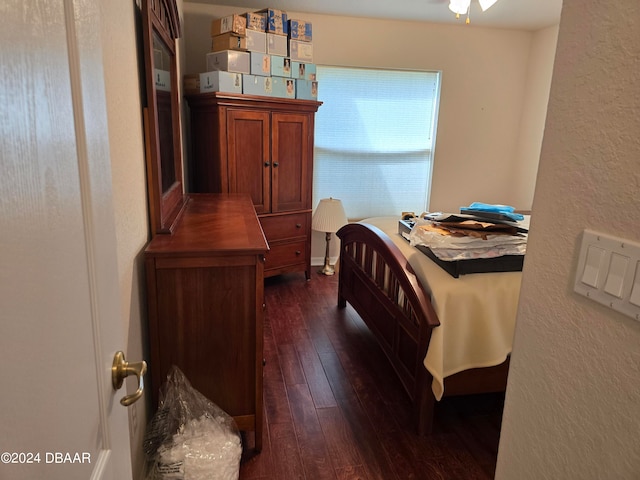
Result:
x=262 y=146
x=206 y=304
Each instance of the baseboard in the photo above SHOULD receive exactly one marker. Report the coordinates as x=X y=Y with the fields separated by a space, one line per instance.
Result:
x=319 y=261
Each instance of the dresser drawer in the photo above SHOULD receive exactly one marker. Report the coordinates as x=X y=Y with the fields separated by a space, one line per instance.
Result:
x=280 y=227
x=285 y=254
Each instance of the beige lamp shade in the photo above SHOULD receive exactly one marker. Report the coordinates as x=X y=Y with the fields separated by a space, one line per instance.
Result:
x=329 y=216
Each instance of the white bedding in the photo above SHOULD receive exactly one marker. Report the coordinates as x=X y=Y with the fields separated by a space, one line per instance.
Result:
x=477 y=312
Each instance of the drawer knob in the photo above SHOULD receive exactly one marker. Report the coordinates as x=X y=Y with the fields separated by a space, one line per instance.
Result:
x=298 y=225
x=275 y=164
x=266 y=164
x=298 y=252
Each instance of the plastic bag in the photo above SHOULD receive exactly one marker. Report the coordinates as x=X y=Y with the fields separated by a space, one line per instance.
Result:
x=453 y=248
x=506 y=211
x=190 y=437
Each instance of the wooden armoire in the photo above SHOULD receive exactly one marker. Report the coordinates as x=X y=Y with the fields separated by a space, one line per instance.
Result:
x=262 y=146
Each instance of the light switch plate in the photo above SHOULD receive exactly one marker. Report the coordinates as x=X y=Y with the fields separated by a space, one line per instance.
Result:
x=609 y=272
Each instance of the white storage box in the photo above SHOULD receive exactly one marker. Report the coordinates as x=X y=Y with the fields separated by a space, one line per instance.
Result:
x=256 y=85
x=301 y=51
x=218 y=81
x=304 y=71
x=230 y=61
x=280 y=66
x=256 y=41
x=260 y=64
x=276 y=44
x=284 y=87
x=221 y=82
x=162 y=79
x=307 y=89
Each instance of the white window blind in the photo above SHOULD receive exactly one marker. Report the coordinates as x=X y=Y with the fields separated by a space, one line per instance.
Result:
x=374 y=139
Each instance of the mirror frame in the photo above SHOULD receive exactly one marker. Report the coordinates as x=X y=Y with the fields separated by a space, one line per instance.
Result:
x=160 y=18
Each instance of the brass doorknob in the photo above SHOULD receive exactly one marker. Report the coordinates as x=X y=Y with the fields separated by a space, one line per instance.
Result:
x=120 y=370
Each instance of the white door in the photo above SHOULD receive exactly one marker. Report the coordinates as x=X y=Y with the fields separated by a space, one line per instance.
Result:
x=59 y=298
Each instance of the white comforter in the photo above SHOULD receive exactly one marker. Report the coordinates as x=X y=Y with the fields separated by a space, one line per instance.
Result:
x=477 y=312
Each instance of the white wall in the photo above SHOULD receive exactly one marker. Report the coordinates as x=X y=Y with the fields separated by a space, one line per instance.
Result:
x=573 y=399
x=539 y=70
x=126 y=144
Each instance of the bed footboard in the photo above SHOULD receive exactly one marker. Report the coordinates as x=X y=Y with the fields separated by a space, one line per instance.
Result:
x=376 y=279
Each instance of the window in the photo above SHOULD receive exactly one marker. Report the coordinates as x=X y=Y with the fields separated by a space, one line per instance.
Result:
x=374 y=139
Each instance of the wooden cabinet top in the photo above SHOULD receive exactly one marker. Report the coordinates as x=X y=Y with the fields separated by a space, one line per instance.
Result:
x=214 y=99
x=213 y=224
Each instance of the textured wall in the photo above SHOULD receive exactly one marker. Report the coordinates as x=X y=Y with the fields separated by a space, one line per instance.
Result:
x=573 y=399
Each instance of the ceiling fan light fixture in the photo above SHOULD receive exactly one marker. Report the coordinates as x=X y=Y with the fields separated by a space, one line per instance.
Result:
x=485 y=4
x=459 y=7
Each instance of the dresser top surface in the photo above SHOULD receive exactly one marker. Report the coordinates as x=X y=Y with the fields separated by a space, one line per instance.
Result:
x=220 y=224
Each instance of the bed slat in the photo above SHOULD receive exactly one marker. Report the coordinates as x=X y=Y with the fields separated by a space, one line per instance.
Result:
x=377 y=281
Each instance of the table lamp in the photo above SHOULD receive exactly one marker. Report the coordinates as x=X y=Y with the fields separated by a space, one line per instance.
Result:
x=328 y=217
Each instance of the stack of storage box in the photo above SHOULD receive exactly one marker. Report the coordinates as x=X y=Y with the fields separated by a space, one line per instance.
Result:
x=259 y=53
x=301 y=53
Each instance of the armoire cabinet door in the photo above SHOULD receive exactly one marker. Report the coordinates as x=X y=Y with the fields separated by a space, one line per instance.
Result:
x=262 y=146
x=291 y=162
x=249 y=161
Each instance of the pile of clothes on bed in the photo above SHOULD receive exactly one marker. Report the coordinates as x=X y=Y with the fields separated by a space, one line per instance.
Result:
x=481 y=238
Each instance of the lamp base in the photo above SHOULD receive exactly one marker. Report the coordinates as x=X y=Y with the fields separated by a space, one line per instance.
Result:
x=327 y=269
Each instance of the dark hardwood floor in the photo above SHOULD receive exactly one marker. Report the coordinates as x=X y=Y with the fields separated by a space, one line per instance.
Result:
x=335 y=410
